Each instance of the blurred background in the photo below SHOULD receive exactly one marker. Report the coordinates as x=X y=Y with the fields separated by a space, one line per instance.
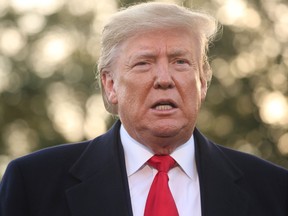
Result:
x=49 y=95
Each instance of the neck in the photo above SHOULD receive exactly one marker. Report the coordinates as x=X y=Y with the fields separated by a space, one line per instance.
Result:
x=163 y=145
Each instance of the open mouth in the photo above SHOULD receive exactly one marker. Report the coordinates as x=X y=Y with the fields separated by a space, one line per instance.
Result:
x=164 y=105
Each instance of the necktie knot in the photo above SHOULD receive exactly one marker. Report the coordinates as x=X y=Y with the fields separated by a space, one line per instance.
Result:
x=163 y=163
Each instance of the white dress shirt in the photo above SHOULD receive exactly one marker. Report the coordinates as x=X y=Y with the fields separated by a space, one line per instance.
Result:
x=183 y=179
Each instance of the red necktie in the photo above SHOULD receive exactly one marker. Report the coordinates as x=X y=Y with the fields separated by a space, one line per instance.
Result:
x=160 y=201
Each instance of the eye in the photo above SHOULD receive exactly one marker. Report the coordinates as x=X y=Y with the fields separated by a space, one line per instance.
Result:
x=181 y=64
x=181 y=61
x=142 y=63
x=141 y=66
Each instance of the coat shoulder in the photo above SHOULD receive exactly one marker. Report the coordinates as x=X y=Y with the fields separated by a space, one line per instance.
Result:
x=251 y=162
x=61 y=154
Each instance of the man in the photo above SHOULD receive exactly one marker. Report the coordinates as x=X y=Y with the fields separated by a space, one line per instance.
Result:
x=154 y=74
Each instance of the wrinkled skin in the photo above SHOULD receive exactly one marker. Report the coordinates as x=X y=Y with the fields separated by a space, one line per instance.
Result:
x=155 y=82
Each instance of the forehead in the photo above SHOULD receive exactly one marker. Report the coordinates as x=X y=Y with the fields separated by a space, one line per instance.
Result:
x=171 y=41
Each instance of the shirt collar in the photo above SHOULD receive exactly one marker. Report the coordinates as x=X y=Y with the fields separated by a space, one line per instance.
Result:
x=136 y=155
x=184 y=155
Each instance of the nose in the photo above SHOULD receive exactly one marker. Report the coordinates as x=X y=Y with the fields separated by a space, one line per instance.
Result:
x=163 y=78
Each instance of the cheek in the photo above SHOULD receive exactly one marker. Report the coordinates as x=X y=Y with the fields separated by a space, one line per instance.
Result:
x=190 y=85
x=132 y=102
x=192 y=96
x=133 y=87
x=127 y=96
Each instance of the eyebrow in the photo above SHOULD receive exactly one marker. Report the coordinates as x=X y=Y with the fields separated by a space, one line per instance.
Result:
x=143 y=54
x=153 y=54
x=148 y=53
x=179 y=52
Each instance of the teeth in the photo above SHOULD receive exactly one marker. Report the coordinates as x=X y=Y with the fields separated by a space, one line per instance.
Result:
x=163 y=107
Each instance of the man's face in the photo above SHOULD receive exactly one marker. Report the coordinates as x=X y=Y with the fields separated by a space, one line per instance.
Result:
x=155 y=82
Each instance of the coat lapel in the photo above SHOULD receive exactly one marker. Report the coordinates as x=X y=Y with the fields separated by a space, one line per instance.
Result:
x=222 y=184
x=103 y=186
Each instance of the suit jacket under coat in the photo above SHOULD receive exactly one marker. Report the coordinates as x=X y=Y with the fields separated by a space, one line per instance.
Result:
x=89 y=179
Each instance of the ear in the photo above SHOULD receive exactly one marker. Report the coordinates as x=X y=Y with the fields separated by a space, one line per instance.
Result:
x=108 y=85
x=203 y=88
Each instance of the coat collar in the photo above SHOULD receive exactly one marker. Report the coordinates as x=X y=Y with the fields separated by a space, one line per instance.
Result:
x=222 y=184
x=103 y=185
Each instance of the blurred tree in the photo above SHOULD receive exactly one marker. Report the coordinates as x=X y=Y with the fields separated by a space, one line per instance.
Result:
x=49 y=95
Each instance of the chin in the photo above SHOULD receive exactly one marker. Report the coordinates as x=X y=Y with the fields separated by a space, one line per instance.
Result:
x=166 y=130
